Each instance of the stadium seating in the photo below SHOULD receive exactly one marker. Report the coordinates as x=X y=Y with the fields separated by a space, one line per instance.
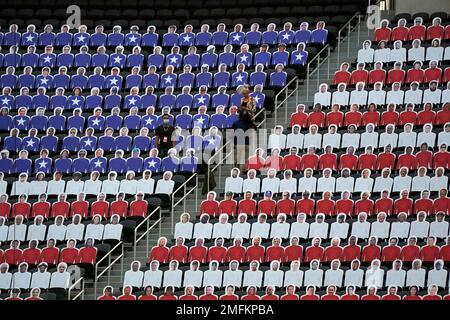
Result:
x=333 y=211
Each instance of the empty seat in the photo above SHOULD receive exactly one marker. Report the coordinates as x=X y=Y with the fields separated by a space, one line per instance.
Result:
x=298 y=11
x=53 y=22
x=338 y=20
x=38 y=23
x=425 y=16
x=112 y=14
x=310 y=20
x=277 y=21
x=193 y=22
x=266 y=11
x=96 y=13
x=322 y=18
x=157 y=23
x=8 y=13
x=19 y=22
x=234 y=12
x=114 y=4
x=164 y=13
x=172 y=22
x=294 y=20
x=230 y=3
x=331 y=9
x=348 y=9
x=129 y=13
x=314 y=10
x=146 y=13
x=120 y=22
x=212 y=4
x=59 y=14
x=210 y=22
x=406 y=16
x=178 y=4
x=242 y=21
x=259 y=21
x=25 y=13
x=129 y=3
x=106 y=23
x=282 y=11
x=441 y=14
x=181 y=13
x=138 y=22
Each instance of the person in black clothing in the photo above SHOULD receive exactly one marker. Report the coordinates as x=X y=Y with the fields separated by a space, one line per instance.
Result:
x=245 y=122
x=247 y=109
x=164 y=139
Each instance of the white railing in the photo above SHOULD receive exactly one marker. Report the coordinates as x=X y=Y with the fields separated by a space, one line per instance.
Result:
x=310 y=70
x=263 y=122
x=284 y=102
x=148 y=228
x=80 y=293
x=182 y=200
x=218 y=164
x=108 y=256
x=350 y=29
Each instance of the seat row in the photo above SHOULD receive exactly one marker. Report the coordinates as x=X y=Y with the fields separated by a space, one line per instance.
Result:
x=169 y=39
x=276 y=277
x=361 y=76
x=416 y=31
x=156 y=60
x=300 y=228
x=38 y=231
x=371 y=116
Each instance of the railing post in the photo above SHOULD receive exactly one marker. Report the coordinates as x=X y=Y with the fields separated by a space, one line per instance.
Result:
x=286 y=105
x=339 y=46
x=160 y=222
x=348 y=40
x=318 y=70
x=109 y=270
x=172 y=215
x=220 y=167
x=276 y=108
x=95 y=280
x=307 y=82
x=196 y=192
x=359 y=27
x=184 y=199
x=328 y=62
x=122 y=259
x=148 y=233
x=208 y=173
x=265 y=119
x=296 y=93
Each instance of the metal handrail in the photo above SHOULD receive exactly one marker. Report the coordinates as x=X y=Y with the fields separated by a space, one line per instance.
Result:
x=347 y=26
x=262 y=110
x=218 y=164
x=108 y=256
x=287 y=96
x=278 y=104
x=183 y=198
x=148 y=229
x=81 y=293
x=309 y=72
